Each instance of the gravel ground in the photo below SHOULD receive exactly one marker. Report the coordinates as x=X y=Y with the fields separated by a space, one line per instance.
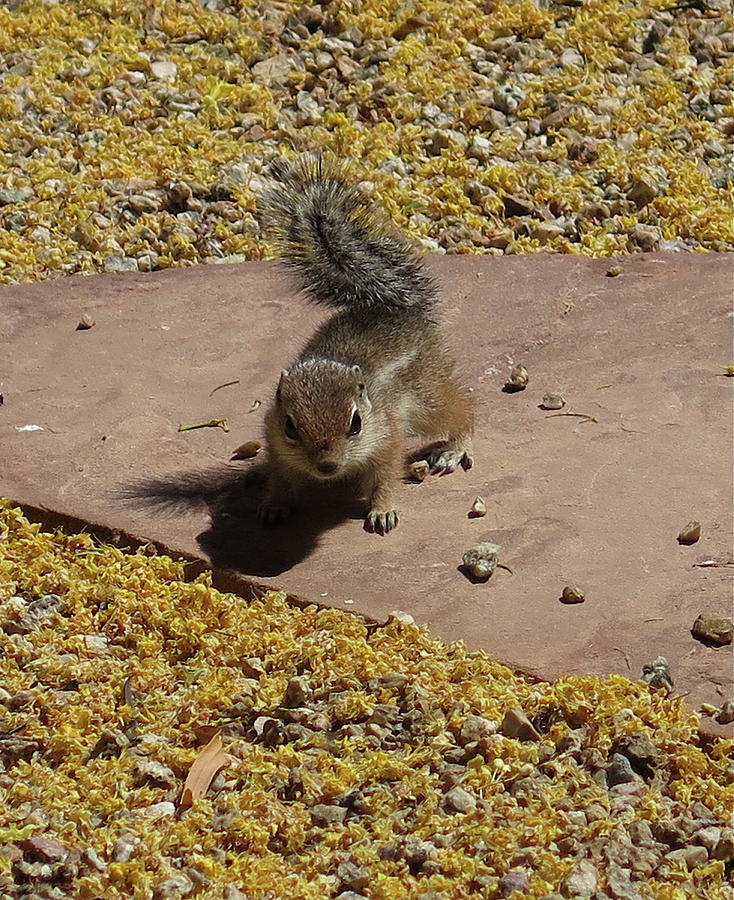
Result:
x=133 y=134
x=361 y=761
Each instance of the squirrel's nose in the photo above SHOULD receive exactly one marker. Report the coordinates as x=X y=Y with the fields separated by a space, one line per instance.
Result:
x=326 y=468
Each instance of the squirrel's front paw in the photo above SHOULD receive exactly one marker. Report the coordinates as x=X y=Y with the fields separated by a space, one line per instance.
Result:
x=444 y=462
x=380 y=521
x=272 y=514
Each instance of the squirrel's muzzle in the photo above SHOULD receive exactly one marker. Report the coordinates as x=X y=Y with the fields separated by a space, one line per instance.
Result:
x=326 y=467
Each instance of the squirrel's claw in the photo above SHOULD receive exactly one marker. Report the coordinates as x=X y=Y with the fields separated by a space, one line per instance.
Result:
x=380 y=522
x=270 y=514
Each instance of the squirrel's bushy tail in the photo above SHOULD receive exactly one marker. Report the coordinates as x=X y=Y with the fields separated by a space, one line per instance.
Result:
x=185 y=491
x=344 y=250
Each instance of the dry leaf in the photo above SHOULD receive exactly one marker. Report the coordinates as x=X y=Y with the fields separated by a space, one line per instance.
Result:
x=201 y=774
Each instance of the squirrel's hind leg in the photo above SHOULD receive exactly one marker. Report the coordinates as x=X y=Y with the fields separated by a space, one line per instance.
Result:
x=449 y=414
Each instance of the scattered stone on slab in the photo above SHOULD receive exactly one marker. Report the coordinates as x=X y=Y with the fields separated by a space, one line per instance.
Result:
x=518 y=379
x=248 y=450
x=85 y=323
x=572 y=594
x=481 y=559
x=125 y=847
x=478 y=508
x=552 y=401
x=419 y=470
x=163 y=810
x=711 y=628
x=690 y=533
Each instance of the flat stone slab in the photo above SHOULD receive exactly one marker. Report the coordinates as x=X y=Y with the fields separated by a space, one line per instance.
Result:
x=594 y=502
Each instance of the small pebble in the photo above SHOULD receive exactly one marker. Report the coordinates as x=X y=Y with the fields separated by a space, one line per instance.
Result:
x=517 y=725
x=515 y=880
x=85 y=322
x=583 y=879
x=657 y=674
x=324 y=814
x=481 y=559
x=248 y=450
x=297 y=692
x=178 y=886
x=44 y=849
x=156 y=811
x=690 y=534
x=125 y=847
x=419 y=470
x=572 y=594
x=620 y=771
x=460 y=800
x=476 y=728
x=478 y=509
x=613 y=271
x=713 y=629
x=552 y=401
x=397 y=616
x=725 y=715
x=518 y=379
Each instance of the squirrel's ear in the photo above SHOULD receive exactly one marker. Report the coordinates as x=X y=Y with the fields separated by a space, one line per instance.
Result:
x=283 y=375
x=357 y=372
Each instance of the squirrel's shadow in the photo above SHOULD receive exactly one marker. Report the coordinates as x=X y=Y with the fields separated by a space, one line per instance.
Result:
x=236 y=540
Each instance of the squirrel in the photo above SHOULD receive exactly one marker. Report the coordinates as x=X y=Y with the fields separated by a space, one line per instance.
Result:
x=372 y=374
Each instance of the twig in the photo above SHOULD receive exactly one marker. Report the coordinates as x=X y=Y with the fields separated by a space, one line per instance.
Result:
x=226 y=384
x=626 y=658
x=213 y=423
x=256 y=405
x=575 y=416
x=712 y=564
x=506 y=567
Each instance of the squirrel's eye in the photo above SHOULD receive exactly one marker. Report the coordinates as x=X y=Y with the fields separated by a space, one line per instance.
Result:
x=290 y=429
x=355 y=426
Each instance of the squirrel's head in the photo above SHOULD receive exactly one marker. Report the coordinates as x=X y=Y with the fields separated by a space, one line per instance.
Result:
x=323 y=414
